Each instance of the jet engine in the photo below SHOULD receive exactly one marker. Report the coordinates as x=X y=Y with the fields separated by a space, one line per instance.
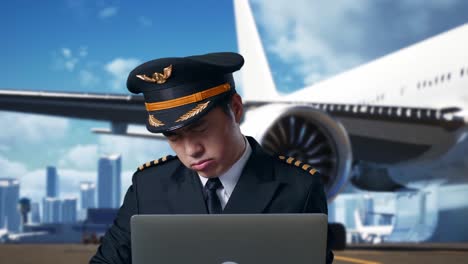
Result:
x=307 y=134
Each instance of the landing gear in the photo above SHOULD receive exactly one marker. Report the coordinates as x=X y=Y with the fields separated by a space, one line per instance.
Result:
x=338 y=236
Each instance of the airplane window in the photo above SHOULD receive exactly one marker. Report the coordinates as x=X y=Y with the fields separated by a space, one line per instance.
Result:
x=436 y=80
x=448 y=76
x=462 y=72
x=418 y=85
x=424 y=84
x=442 y=78
x=429 y=83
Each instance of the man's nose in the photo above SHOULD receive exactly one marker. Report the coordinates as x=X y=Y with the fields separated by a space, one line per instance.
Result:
x=193 y=148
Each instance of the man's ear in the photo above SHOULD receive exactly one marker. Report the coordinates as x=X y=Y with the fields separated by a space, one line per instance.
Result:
x=237 y=107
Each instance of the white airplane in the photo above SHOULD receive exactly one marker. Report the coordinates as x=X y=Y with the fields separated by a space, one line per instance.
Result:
x=361 y=126
x=409 y=106
x=374 y=234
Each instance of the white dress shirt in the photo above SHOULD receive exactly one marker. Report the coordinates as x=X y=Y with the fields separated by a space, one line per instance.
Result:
x=231 y=176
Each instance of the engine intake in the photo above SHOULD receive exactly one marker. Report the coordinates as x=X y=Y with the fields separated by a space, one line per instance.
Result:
x=306 y=134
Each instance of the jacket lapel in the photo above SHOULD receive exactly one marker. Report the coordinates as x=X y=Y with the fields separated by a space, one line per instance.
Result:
x=256 y=185
x=185 y=193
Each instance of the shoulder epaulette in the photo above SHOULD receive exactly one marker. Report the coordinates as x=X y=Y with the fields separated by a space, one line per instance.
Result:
x=298 y=163
x=150 y=164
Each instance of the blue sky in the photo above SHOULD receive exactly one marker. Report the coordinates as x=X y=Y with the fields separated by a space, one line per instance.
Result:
x=90 y=46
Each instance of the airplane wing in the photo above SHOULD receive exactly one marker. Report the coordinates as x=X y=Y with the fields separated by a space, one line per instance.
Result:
x=122 y=110
x=118 y=109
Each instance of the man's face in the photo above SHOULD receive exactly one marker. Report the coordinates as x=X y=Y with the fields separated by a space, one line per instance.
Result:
x=211 y=145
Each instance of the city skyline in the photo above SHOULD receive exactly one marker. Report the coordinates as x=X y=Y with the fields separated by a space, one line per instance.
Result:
x=54 y=207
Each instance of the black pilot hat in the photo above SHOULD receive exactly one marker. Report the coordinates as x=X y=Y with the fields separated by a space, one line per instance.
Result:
x=179 y=91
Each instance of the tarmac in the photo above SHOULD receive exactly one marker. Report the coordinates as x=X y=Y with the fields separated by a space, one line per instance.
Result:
x=360 y=254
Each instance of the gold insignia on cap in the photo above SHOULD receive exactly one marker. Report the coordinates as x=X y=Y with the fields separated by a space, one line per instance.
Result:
x=157 y=77
x=154 y=122
x=195 y=111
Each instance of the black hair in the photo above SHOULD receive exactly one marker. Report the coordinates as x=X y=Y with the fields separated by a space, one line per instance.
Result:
x=225 y=104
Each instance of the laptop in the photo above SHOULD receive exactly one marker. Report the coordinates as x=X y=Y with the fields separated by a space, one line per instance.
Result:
x=229 y=239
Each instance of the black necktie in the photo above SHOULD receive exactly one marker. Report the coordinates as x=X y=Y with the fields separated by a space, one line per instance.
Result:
x=212 y=199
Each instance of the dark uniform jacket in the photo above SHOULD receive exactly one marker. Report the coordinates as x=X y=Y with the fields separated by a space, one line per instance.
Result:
x=266 y=185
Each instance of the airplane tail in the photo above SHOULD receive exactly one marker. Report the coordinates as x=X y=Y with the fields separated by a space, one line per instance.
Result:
x=357 y=220
x=256 y=80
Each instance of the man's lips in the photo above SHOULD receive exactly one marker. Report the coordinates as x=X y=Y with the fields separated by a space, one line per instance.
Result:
x=201 y=165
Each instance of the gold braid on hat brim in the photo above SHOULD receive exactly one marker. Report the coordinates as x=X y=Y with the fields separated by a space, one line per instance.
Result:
x=188 y=99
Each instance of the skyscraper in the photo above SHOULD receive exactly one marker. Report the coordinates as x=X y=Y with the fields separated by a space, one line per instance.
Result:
x=51 y=210
x=88 y=195
x=109 y=182
x=69 y=210
x=35 y=215
x=9 y=196
x=52 y=182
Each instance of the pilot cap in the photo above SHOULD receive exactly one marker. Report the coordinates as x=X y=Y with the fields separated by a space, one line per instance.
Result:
x=180 y=90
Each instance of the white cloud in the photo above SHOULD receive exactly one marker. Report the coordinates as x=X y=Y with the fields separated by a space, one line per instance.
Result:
x=32 y=128
x=300 y=31
x=88 y=79
x=145 y=21
x=65 y=60
x=119 y=68
x=11 y=169
x=108 y=12
x=66 y=52
x=80 y=157
x=83 y=52
x=4 y=148
x=318 y=39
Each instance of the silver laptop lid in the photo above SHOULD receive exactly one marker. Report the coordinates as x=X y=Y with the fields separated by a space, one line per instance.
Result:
x=223 y=239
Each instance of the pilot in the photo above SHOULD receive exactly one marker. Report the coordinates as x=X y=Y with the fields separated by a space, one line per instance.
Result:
x=193 y=102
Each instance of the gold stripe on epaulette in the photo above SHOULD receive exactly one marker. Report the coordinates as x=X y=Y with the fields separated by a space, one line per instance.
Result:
x=155 y=162
x=298 y=163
